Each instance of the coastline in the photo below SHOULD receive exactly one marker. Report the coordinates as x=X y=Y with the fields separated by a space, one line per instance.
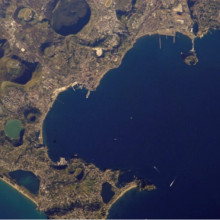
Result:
x=19 y=189
x=78 y=63
x=56 y=92
x=140 y=35
x=127 y=188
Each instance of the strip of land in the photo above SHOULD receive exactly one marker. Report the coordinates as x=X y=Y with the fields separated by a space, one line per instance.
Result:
x=19 y=189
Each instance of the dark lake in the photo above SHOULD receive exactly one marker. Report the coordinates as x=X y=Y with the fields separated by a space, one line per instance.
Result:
x=26 y=179
x=153 y=110
x=70 y=16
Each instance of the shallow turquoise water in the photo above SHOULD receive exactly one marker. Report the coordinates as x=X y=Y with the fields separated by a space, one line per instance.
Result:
x=14 y=205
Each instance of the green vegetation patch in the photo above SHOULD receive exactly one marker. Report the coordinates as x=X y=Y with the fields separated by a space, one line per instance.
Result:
x=13 y=128
x=124 y=5
x=36 y=77
x=26 y=14
x=86 y=186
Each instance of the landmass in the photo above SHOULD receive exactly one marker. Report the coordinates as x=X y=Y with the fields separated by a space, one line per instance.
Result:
x=47 y=46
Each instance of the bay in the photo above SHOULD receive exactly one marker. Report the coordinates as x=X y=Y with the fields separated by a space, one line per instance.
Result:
x=153 y=110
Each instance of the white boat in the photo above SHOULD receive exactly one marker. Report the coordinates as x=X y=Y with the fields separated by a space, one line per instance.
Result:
x=171 y=184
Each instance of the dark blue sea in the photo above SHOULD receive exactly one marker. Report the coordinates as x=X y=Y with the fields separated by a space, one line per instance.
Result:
x=153 y=110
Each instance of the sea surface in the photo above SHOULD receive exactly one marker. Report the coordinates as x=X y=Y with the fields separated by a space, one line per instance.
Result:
x=152 y=111
x=14 y=205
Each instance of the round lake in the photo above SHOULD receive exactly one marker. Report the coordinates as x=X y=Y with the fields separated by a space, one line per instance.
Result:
x=13 y=128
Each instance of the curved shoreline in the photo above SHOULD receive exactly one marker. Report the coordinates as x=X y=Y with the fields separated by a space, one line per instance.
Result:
x=64 y=88
x=53 y=99
x=129 y=187
x=19 y=189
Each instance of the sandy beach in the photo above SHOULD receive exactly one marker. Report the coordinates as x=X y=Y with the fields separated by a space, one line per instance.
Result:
x=19 y=189
x=117 y=197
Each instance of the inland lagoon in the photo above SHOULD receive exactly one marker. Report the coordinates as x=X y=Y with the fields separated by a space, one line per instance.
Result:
x=156 y=117
x=26 y=179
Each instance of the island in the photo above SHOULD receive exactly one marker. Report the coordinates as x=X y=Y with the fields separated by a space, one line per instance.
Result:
x=48 y=46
